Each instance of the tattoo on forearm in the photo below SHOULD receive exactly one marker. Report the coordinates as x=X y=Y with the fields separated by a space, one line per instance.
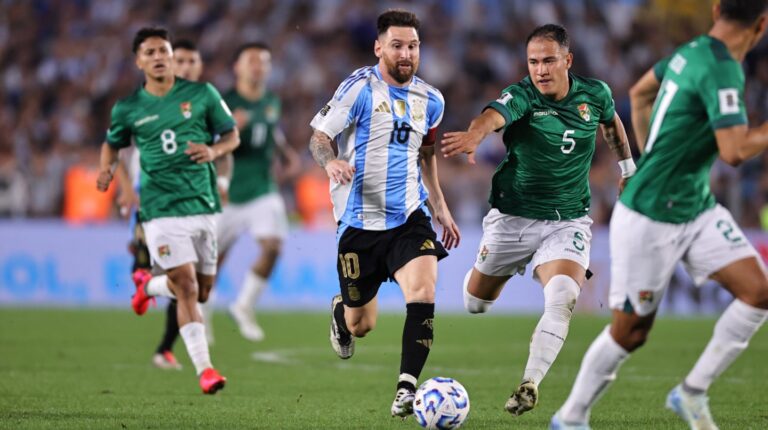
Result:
x=320 y=146
x=619 y=147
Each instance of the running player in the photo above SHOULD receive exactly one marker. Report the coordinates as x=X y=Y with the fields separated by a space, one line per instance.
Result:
x=384 y=120
x=173 y=122
x=540 y=192
x=688 y=111
x=255 y=205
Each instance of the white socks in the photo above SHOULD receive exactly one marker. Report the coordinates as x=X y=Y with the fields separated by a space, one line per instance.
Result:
x=253 y=286
x=732 y=333
x=158 y=286
x=598 y=370
x=560 y=296
x=193 y=334
x=471 y=303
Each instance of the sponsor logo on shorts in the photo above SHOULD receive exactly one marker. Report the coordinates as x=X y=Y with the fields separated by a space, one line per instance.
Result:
x=483 y=254
x=164 y=251
x=572 y=251
x=645 y=296
x=428 y=244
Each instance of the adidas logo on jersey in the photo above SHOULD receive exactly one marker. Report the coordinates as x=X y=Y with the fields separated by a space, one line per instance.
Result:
x=383 y=108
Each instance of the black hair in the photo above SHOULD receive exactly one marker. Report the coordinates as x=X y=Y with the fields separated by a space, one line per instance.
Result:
x=396 y=18
x=250 y=45
x=184 y=44
x=744 y=12
x=555 y=32
x=147 y=32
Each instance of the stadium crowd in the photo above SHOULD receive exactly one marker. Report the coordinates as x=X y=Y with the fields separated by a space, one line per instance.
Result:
x=63 y=64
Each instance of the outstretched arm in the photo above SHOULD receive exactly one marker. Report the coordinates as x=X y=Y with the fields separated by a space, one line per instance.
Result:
x=641 y=96
x=338 y=170
x=616 y=137
x=436 y=201
x=457 y=142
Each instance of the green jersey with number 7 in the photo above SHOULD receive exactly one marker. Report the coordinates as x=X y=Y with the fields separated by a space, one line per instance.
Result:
x=171 y=183
x=550 y=144
x=702 y=89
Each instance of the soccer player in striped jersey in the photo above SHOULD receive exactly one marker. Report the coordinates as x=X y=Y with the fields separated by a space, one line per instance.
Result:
x=384 y=119
x=173 y=122
x=540 y=192
x=687 y=111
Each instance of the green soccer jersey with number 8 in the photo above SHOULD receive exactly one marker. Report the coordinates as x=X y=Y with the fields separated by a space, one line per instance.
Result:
x=171 y=183
x=550 y=144
x=702 y=89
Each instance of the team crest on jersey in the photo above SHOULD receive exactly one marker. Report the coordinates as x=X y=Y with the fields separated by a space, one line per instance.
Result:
x=270 y=113
x=186 y=109
x=585 y=112
x=164 y=251
x=418 y=111
x=400 y=108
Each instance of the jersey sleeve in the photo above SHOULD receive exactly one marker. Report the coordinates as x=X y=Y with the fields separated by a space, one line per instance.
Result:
x=512 y=105
x=722 y=92
x=661 y=67
x=607 y=103
x=218 y=115
x=119 y=133
x=343 y=109
x=435 y=109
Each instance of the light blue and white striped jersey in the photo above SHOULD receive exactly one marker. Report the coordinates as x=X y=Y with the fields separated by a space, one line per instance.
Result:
x=379 y=129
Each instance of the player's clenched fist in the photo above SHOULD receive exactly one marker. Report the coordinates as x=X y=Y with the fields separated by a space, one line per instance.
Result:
x=339 y=171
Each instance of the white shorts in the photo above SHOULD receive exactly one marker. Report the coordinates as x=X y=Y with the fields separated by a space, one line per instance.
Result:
x=175 y=241
x=510 y=242
x=644 y=253
x=263 y=217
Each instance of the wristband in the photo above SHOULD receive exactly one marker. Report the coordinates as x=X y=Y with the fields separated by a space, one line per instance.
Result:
x=223 y=182
x=628 y=167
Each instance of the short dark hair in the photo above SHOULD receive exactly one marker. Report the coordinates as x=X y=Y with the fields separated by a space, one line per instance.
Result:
x=250 y=45
x=555 y=32
x=184 y=44
x=396 y=18
x=744 y=12
x=147 y=32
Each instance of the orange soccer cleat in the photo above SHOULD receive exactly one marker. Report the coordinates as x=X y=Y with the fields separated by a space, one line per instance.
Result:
x=211 y=381
x=140 y=301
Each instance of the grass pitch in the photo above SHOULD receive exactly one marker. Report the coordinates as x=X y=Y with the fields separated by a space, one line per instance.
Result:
x=68 y=369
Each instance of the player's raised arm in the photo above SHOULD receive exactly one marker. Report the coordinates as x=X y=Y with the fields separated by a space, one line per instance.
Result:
x=616 y=137
x=436 y=201
x=466 y=142
x=641 y=96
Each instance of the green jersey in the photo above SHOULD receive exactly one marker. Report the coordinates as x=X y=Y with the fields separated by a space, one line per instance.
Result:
x=550 y=144
x=171 y=183
x=252 y=175
x=702 y=89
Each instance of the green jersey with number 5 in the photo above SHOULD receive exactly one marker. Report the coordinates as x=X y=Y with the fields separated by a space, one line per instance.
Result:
x=702 y=89
x=171 y=183
x=550 y=144
x=252 y=175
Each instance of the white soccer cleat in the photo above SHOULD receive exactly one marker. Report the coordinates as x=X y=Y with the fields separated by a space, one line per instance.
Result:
x=692 y=408
x=341 y=341
x=166 y=360
x=558 y=424
x=245 y=322
x=523 y=399
x=402 y=406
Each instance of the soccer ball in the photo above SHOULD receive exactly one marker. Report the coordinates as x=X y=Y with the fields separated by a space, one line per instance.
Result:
x=441 y=403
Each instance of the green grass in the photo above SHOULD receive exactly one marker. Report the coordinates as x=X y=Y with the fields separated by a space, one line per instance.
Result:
x=64 y=369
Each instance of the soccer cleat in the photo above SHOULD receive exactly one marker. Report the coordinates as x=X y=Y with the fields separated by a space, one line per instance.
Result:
x=249 y=329
x=558 y=424
x=211 y=381
x=692 y=408
x=523 y=399
x=166 y=360
x=402 y=406
x=341 y=340
x=140 y=301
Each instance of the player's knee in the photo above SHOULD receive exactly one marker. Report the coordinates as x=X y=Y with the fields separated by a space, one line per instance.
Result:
x=271 y=247
x=423 y=292
x=473 y=304
x=757 y=296
x=560 y=296
x=184 y=286
x=633 y=339
x=361 y=327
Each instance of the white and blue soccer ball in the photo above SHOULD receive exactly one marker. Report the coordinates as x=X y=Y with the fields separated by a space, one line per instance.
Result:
x=441 y=403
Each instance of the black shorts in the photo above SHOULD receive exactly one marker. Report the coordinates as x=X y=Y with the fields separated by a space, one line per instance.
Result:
x=367 y=258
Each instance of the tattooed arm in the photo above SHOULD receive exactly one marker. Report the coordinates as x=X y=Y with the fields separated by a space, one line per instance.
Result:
x=338 y=170
x=616 y=137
